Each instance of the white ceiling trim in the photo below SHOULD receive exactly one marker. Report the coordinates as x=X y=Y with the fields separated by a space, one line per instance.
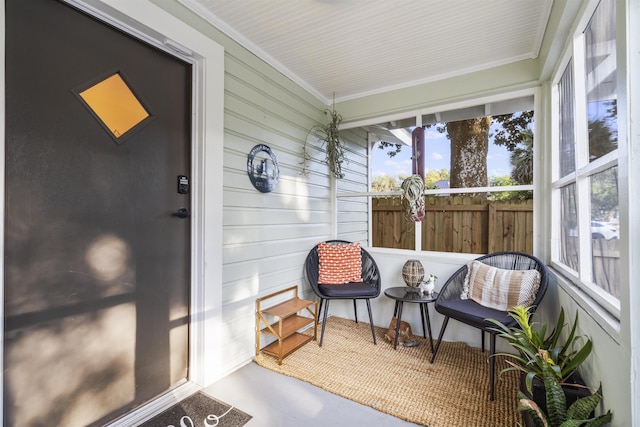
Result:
x=541 y=31
x=252 y=47
x=434 y=78
x=437 y=109
x=358 y=48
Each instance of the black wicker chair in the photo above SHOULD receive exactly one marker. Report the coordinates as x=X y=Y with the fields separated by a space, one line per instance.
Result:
x=471 y=313
x=367 y=289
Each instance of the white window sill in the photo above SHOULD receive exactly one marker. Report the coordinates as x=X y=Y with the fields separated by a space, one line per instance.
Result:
x=609 y=324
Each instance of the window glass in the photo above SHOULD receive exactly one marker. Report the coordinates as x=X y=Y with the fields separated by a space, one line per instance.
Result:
x=570 y=254
x=588 y=189
x=567 y=117
x=470 y=151
x=604 y=230
x=600 y=79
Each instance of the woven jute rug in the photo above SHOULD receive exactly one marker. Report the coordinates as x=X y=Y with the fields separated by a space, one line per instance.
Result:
x=452 y=392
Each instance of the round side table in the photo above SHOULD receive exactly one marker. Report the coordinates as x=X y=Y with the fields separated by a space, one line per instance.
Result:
x=404 y=294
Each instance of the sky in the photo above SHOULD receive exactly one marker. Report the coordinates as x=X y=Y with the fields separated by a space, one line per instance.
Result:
x=437 y=148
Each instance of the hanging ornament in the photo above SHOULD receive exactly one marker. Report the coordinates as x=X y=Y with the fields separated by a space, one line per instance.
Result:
x=413 y=186
x=413 y=197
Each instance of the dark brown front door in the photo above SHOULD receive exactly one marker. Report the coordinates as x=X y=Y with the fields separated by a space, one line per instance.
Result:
x=97 y=267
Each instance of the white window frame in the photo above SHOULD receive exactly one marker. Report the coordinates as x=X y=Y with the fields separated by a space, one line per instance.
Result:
x=504 y=96
x=583 y=168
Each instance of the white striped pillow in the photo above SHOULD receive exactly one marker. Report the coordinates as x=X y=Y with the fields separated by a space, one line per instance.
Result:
x=498 y=288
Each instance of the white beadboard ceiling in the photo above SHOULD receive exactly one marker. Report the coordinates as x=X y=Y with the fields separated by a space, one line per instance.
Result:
x=352 y=48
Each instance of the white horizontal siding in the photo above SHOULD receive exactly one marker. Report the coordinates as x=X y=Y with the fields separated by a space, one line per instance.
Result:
x=266 y=236
x=353 y=212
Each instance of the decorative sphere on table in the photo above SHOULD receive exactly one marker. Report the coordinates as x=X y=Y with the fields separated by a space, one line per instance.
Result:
x=413 y=273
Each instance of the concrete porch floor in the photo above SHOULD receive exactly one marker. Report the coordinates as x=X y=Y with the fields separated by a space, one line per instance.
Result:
x=276 y=400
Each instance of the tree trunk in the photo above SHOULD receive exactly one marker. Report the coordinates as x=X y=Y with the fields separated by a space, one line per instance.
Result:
x=469 y=146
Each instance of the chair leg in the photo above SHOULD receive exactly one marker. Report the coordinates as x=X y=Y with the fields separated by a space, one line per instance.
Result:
x=320 y=307
x=492 y=365
x=482 y=334
x=373 y=332
x=324 y=321
x=355 y=310
x=444 y=326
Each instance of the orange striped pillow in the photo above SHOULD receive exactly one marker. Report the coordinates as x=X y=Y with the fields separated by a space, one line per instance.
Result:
x=339 y=263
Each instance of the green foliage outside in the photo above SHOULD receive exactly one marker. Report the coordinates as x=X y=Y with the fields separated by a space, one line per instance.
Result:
x=386 y=183
x=603 y=139
x=503 y=196
x=433 y=176
x=389 y=183
x=513 y=133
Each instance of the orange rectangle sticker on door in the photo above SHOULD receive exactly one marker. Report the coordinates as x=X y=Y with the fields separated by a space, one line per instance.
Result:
x=115 y=104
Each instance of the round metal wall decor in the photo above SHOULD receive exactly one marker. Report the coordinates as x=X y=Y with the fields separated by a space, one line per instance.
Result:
x=262 y=168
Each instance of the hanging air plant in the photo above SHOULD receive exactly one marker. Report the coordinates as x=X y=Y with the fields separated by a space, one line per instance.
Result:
x=334 y=147
x=413 y=189
x=412 y=197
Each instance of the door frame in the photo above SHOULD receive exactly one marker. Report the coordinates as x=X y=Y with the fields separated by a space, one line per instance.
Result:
x=148 y=22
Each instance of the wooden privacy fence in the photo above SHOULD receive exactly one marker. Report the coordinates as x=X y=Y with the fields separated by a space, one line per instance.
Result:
x=468 y=225
x=605 y=262
x=606 y=265
x=456 y=224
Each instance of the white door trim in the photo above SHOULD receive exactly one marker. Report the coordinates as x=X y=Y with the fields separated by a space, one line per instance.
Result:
x=146 y=21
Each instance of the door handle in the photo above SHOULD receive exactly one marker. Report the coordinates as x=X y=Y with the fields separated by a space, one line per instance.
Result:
x=182 y=213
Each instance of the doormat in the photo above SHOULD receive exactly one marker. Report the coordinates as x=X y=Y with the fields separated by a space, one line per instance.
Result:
x=199 y=410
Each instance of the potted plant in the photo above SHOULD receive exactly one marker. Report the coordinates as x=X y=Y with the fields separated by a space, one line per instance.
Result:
x=529 y=340
x=579 y=413
x=541 y=353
